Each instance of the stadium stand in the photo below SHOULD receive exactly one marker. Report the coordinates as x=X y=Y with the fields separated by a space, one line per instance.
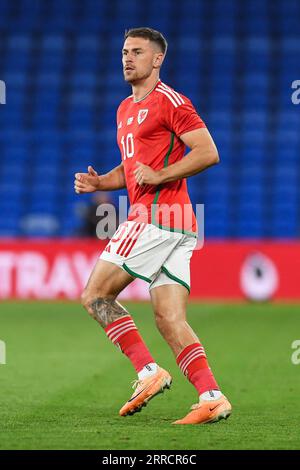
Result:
x=61 y=62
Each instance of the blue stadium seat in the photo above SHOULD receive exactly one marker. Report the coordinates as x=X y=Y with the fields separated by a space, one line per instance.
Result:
x=62 y=66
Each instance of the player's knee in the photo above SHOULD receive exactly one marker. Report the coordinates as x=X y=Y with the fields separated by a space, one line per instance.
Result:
x=84 y=299
x=88 y=298
x=102 y=307
x=166 y=318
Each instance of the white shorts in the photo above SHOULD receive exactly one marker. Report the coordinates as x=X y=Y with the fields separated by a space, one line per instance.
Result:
x=152 y=254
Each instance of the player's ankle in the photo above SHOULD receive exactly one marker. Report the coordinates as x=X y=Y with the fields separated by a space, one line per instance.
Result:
x=148 y=370
x=211 y=395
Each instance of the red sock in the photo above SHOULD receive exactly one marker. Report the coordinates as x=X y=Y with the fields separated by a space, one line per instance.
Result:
x=124 y=333
x=193 y=363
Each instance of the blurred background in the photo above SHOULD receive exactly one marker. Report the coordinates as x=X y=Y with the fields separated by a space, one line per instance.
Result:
x=236 y=61
x=61 y=63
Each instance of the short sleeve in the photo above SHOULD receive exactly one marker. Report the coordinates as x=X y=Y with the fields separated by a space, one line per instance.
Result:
x=180 y=116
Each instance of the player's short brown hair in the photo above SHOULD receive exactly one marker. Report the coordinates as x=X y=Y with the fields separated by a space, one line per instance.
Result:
x=148 y=33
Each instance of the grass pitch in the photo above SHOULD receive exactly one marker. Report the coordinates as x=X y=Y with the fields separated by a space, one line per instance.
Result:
x=64 y=382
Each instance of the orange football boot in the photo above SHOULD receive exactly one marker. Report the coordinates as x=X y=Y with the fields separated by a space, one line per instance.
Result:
x=207 y=411
x=145 y=390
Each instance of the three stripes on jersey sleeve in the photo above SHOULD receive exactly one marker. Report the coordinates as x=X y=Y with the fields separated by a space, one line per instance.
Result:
x=172 y=95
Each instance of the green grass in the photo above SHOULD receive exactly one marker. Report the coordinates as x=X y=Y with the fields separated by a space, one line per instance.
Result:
x=64 y=382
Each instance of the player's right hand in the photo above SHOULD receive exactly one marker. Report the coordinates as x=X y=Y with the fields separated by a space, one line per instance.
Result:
x=86 y=182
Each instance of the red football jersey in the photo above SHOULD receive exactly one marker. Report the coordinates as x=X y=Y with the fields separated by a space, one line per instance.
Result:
x=148 y=132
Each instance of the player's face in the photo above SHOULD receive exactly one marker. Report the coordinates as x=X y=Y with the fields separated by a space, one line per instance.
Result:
x=139 y=58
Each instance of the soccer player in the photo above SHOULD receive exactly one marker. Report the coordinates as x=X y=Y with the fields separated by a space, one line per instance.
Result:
x=154 y=125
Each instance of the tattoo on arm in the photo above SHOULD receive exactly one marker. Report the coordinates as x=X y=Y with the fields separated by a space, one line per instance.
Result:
x=106 y=311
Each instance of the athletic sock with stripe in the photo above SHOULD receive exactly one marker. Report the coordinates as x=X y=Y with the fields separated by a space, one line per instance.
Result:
x=124 y=333
x=193 y=363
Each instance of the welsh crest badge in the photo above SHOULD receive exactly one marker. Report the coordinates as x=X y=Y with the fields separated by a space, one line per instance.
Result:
x=142 y=115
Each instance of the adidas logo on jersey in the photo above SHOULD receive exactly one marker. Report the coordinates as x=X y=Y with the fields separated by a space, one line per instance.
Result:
x=120 y=125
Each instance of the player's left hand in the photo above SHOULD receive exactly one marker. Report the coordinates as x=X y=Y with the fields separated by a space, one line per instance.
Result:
x=145 y=175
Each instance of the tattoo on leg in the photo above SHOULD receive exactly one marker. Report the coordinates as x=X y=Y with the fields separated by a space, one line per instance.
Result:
x=106 y=311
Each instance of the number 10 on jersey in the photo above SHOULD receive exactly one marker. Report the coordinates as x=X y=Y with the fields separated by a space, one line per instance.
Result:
x=128 y=146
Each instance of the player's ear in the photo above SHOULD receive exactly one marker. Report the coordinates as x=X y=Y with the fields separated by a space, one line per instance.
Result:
x=158 y=60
